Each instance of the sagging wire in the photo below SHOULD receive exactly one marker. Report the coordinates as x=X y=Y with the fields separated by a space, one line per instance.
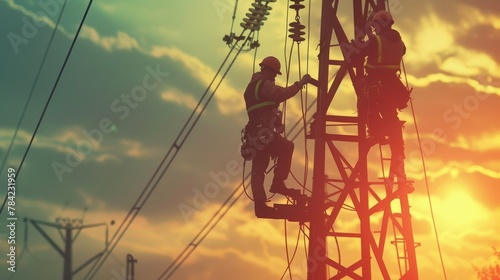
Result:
x=165 y=164
x=30 y=95
x=243 y=181
x=423 y=163
x=225 y=207
x=245 y=186
x=296 y=30
x=303 y=104
x=287 y=69
x=290 y=260
x=425 y=176
x=56 y=83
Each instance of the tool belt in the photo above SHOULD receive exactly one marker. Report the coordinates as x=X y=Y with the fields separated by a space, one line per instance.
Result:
x=387 y=89
x=258 y=133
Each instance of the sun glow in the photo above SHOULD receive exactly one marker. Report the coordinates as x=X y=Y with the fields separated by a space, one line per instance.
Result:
x=459 y=209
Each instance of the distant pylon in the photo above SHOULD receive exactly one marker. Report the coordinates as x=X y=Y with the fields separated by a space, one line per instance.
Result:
x=68 y=226
x=130 y=267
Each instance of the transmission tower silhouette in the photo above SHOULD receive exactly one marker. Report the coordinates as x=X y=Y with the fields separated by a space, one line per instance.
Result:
x=67 y=228
x=342 y=188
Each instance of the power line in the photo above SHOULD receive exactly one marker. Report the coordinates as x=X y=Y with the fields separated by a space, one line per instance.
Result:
x=429 y=194
x=23 y=113
x=253 y=22
x=224 y=208
x=425 y=177
x=167 y=160
x=54 y=86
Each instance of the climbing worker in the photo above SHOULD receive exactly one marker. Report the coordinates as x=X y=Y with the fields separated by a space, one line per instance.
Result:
x=262 y=134
x=385 y=93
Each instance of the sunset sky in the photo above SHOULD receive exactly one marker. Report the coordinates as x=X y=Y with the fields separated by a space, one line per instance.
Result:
x=98 y=146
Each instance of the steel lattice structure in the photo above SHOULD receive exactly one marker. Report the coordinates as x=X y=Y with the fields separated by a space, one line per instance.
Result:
x=346 y=204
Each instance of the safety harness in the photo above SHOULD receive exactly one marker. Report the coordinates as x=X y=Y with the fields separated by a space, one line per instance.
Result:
x=253 y=99
x=264 y=120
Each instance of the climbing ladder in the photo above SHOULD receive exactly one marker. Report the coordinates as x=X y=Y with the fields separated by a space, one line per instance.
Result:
x=401 y=238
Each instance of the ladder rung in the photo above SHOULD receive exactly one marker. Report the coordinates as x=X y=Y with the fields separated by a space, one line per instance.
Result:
x=344 y=234
x=344 y=138
x=344 y=119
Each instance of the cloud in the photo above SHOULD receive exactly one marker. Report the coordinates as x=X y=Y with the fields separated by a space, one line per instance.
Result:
x=474 y=15
x=122 y=41
x=54 y=142
x=109 y=8
x=180 y=98
x=241 y=240
x=76 y=142
x=134 y=149
x=480 y=84
x=470 y=63
x=436 y=43
x=41 y=15
x=485 y=171
x=432 y=40
x=167 y=239
x=488 y=141
x=229 y=98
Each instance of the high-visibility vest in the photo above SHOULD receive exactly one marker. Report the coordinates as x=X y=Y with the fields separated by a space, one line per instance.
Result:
x=388 y=55
x=255 y=103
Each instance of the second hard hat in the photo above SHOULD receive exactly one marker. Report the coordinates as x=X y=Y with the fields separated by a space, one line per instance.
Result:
x=383 y=17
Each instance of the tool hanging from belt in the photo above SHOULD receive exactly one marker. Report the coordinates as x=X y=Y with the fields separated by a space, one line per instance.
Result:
x=257 y=134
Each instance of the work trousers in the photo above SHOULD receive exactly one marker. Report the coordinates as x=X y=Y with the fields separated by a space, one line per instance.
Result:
x=383 y=97
x=280 y=148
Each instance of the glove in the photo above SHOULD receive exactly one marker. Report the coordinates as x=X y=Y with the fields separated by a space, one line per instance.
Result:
x=305 y=79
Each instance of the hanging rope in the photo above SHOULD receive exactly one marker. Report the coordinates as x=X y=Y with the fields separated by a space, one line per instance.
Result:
x=423 y=166
x=296 y=33
x=425 y=177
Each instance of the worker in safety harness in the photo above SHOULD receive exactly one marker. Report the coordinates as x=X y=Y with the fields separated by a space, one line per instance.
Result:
x=262 y=137
x=384 y=91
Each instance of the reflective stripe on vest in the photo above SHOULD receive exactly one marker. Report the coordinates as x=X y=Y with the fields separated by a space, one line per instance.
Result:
x=379 y=63
x=261 y=104
x=379 y=47
x=257 y=87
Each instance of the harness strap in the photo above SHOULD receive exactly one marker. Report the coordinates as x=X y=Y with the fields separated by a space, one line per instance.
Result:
x=262 y=104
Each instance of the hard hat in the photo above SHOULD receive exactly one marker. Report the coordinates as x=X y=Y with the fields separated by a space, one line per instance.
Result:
x=383 y=17
x=273 y=63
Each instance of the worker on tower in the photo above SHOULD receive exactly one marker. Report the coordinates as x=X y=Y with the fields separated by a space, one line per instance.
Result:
x=263 y=133
x=385 y=93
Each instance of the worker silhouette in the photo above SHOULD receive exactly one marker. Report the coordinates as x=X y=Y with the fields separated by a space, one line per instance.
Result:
x=263 y=138
x=384 y=93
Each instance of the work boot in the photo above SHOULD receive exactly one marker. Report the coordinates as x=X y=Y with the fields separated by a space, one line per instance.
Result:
x=407 y=186
x=279 y=187
x=264 y=211
x=372 y=140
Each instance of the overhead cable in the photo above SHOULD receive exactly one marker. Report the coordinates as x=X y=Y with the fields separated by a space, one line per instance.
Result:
x=28 y=100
